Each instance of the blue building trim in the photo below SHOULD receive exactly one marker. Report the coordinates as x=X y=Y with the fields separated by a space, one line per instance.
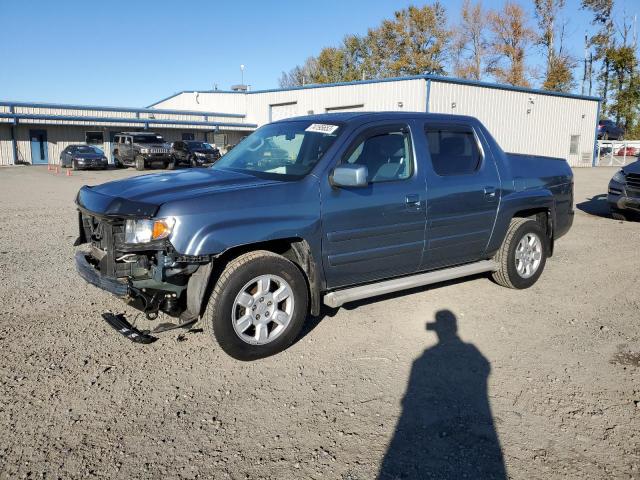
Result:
x=144 y=121
x=97 y=108
x=595 y=137
x=436 y=78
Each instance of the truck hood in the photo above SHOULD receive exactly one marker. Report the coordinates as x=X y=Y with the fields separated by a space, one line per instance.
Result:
x=143 y=195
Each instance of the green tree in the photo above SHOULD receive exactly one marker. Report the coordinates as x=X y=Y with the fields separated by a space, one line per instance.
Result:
x=603 y=41
x=559 y=66
x=624 y=66
x=415 y=41
x=511 y=38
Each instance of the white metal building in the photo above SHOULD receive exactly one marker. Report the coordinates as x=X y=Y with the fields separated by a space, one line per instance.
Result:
x=522 y=120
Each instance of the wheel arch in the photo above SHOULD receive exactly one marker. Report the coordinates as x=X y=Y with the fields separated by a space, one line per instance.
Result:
x=537 y=204
x=295 y=249
x=544 y=217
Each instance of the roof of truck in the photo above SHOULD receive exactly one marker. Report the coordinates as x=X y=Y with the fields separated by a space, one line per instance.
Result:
x=363 y=117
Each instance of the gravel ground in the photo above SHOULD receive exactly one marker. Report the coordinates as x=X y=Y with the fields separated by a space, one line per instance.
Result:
x=542 y=383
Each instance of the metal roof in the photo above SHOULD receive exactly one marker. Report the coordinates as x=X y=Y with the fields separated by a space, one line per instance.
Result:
x=436 y=78
x=98 y=108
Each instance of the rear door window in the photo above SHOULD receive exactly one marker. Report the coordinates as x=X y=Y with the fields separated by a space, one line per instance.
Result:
x=453 y=149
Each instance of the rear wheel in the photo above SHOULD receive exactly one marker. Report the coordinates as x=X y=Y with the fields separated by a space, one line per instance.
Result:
x=523 y=254
x=74 y=165
x=139 y=163
x=258 y=305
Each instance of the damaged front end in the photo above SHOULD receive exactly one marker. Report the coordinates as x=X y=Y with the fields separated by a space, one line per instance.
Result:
x=149 y=275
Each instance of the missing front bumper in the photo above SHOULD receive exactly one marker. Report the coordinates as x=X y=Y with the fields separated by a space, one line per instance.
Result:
x=92 y=276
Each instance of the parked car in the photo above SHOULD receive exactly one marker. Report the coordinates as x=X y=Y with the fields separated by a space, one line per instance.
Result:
x=82 y=157
x=624 y=192
x=627 y=151
x=141 y=150
x=346 y=220
x=194 y=153
x=609 y=130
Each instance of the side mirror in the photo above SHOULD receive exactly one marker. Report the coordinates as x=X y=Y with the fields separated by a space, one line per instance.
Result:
x=350 y=176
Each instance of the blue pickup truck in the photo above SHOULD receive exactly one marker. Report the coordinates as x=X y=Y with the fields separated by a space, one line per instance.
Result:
x=320 y=209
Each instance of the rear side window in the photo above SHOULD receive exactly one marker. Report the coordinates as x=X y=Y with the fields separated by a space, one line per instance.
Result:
x=453 y=150
x=386 y=154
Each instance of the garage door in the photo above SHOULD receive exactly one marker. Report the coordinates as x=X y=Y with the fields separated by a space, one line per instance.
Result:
x=282 y=110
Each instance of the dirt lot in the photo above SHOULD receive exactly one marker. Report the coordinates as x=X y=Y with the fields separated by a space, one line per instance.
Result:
x=542 y=383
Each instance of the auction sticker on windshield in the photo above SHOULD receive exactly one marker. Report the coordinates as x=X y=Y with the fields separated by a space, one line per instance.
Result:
x=321 y=128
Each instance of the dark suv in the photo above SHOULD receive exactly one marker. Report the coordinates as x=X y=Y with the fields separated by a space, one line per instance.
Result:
x=194 y=153
x=609 y=130
x=141 y=149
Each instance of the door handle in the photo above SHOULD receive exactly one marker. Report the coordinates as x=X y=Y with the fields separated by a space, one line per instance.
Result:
x=412 y=201
x=490 y=193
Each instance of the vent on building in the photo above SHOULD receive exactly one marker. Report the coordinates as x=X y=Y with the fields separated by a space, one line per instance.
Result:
x=585 y=158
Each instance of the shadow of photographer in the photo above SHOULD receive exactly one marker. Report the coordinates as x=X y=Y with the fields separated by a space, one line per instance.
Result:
x=446 y=428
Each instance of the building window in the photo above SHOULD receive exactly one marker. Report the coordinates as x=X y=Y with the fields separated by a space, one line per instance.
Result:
x=345 y=108
x=575 y=145
x=94 y=138
x=188 y=136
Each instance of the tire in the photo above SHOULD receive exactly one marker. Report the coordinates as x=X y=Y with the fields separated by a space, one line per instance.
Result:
x=171 y=165
x=139 y=163
x=605 y=136
x=193 y=162
x=239 y=276
x=74 y=165
x=617 y=214
x=508 y=274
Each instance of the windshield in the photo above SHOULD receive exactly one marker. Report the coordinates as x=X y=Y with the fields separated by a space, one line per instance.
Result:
x=84 y=149
x=199 y=146
x=148 y=139
x=281 y=150
x=97 y=150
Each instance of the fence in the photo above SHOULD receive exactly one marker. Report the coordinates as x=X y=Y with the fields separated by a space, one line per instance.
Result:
x=612 y=153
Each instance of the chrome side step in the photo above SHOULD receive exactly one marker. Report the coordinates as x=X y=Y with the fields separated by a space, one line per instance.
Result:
x=340 y=297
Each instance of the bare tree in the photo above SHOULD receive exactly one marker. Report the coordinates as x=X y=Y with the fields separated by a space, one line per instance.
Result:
x=470 y=42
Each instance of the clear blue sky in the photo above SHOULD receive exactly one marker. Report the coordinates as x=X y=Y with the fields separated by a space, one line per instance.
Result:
x=132 y=53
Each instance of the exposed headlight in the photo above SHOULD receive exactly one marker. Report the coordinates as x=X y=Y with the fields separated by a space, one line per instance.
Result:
x=144 y=150
x=145 y=231
x=619 y=177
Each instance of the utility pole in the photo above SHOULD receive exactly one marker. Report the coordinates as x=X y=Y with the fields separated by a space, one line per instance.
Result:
x=584 y=61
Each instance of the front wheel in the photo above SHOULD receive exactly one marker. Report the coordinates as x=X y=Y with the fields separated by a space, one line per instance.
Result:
x=139 y=163
x=257 y=306
x=523 y=254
